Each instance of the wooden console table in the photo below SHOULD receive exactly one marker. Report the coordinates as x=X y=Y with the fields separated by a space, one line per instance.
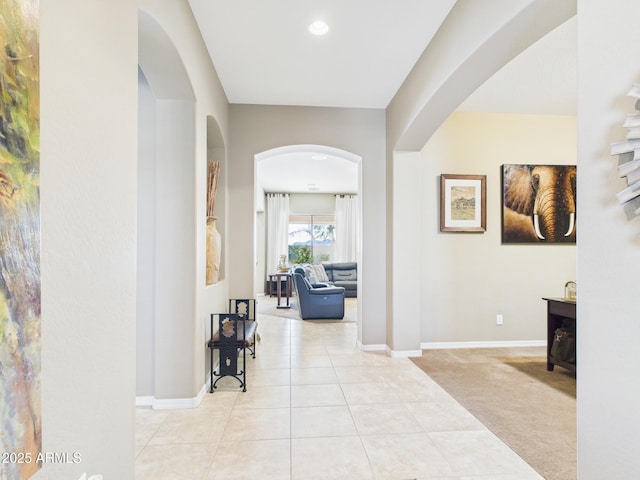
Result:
x=560 y=312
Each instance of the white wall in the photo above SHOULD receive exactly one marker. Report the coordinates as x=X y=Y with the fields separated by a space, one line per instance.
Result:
x=145 y=304
x=608 y=247
x=312 y=204
x=175 y=260
x=89 y=85
x=469 y=278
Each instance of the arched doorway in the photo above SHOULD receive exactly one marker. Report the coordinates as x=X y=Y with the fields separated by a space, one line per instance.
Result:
x=303 y=170
x=166 y=224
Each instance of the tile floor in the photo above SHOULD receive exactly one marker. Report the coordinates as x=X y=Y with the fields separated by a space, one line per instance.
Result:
x=318 y=408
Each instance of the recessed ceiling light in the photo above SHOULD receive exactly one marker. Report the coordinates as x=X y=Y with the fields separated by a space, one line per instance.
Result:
x=318 y=27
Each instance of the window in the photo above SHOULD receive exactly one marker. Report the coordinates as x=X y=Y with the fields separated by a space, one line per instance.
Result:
x=311 y=238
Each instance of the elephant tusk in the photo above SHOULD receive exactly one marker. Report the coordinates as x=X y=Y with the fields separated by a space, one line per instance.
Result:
x=572 y=217
x=536 y=224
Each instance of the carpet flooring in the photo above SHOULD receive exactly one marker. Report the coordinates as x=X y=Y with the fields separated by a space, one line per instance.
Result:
x=511 y=392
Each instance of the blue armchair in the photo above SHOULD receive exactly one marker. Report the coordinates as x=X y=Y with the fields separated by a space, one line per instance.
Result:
x=322 y=302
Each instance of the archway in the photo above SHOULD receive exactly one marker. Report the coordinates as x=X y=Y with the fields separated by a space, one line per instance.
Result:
x=308 y=155
x=166 y=224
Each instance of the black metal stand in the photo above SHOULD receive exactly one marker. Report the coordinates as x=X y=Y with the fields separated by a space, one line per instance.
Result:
x=246 y=310
x=233 y=337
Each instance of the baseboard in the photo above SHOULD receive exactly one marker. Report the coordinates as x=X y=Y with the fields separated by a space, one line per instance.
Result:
x=144 y=401
x=489 y=344
x=172 y=403
x=371 y=348
x=403 y=353
x=388 y=351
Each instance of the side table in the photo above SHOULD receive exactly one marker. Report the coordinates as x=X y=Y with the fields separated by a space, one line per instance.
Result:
x=278 y=278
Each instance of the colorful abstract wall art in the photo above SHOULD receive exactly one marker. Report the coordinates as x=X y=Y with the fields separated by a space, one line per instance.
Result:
x=20 y=405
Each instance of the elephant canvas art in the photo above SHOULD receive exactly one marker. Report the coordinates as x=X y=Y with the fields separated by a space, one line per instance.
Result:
x=539 y=204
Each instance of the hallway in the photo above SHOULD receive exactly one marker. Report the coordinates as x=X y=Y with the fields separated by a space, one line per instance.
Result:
x=317 y=407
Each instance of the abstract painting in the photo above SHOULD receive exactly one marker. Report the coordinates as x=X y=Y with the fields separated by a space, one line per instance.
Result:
x=20 y=411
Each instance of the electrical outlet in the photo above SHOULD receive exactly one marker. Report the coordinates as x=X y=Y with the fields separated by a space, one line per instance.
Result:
x=499 y=319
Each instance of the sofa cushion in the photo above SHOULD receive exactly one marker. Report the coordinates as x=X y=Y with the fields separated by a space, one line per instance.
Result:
x=345 y=275
x=318 y=272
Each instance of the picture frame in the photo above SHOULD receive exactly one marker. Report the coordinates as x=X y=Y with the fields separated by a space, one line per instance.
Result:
x=463 y=203
x=538 y=204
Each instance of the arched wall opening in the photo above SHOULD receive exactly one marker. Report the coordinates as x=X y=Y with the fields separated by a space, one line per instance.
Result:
x=276 y=155
x=166 y=221
x=426 y=99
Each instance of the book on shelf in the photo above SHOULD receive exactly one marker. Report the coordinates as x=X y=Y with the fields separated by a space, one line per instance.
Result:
x=632 y=120
x=625 y=168
x=633 y=177
x=635 y=90
x=629 y=193
x=633 y=133
x=625 y=158
x=626 y=146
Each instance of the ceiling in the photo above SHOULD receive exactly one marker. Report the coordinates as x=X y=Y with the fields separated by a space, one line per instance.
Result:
x=264 y=54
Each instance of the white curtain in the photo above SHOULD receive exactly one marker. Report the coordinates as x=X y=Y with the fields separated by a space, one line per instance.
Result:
x=346 y=228
x=277 y=229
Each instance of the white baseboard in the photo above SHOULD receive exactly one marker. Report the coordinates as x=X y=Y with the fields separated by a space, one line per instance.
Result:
x=489 y=344
x=144 y=401
x=403 y=353
x=388 y=351
x=371 y=348
x=172 y=403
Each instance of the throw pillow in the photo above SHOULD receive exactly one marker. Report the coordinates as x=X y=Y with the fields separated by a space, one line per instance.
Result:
x=318 y=272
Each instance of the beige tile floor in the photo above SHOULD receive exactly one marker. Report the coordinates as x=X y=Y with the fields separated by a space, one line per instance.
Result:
x=317 y=407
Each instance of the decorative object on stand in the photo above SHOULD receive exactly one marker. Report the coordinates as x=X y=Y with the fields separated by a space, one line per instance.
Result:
x=235 y=334
x=214 y=250
x=570 y=291
x=628 y=152
x=214 y=239
x=463 y=203
x=246 y=310
x=539 y=204
x=282 y=264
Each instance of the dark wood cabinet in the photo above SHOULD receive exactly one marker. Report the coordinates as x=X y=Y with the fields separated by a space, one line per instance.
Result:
x=561 y=313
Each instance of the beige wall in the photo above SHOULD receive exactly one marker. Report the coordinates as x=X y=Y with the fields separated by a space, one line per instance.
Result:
x=88 y=194
x=89 y=114
x=256 y=129
x=467 y=279
x=179 y=71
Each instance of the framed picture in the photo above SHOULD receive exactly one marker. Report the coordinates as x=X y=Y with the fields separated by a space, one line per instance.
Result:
x=539 y=204
x=463 y=203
